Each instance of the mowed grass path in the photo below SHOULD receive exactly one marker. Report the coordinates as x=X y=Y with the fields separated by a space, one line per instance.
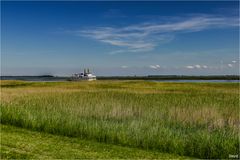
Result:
x=17 y=143
x=192 y=119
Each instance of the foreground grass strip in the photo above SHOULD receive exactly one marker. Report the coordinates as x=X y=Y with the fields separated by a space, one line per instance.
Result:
x=17 y=143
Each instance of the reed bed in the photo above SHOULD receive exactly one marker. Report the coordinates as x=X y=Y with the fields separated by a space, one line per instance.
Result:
x=191 y=119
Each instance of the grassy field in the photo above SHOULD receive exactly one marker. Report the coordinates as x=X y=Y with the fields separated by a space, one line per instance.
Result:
x=191 y=119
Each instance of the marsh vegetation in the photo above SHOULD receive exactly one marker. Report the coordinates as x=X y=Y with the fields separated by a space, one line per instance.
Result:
x=188 y=119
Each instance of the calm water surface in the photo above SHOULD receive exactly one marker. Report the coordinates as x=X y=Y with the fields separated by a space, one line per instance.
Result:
x=206 y=81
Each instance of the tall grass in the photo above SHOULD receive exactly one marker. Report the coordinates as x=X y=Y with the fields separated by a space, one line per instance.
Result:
x=192 y=119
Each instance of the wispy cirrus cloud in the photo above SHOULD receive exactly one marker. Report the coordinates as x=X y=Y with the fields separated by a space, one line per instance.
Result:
x=146 y=36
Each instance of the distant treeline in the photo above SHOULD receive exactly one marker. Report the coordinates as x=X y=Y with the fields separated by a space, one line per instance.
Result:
x=170 y=77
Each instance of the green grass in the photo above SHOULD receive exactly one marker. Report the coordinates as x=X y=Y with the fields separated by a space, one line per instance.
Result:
x=17 y=143
x=192 y=119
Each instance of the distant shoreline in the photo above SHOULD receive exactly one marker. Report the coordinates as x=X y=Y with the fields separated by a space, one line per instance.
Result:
x=149 y=77
x=172 y=77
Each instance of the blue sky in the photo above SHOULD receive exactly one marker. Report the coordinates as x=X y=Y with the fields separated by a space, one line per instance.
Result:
x=120 y=38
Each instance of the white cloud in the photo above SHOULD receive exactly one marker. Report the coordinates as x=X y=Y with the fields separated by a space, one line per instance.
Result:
x=230 y=65
x=234 y=61
x=124 y=67
x=155 y=66
x=190 y=67
x=146 y=36
x=204 y=66
x=197 y=66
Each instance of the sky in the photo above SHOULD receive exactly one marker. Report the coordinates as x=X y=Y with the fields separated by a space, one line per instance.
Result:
x=120 y=38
